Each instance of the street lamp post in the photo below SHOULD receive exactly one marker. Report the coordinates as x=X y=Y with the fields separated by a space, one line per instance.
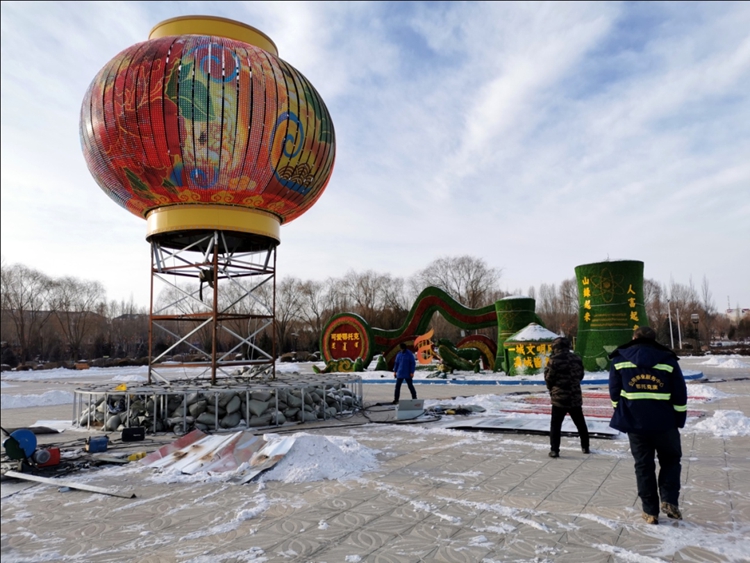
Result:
x=695 y=319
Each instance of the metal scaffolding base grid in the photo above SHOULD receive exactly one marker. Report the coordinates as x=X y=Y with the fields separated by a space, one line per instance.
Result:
x=232 y=404
x=214 y=303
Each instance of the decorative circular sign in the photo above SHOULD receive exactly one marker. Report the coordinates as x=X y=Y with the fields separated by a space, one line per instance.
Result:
x=347 y=336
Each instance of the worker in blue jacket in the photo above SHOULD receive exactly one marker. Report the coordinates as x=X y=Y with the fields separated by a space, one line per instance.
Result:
x=403 y=370
x=649 y=395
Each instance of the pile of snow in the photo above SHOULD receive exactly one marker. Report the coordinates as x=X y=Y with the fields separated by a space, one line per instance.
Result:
x=130 y=378
x=725 y=362
x=724 y=424
x=311 y=458
x=374 y=363
x=316 y=458
x=700 y=391
x=733 y=363
x=44 y=400
x=287 y=368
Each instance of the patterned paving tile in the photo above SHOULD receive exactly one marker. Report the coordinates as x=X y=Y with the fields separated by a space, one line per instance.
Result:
x=443 y=496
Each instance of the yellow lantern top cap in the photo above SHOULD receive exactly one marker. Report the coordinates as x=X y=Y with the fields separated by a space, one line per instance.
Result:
x=213 y=25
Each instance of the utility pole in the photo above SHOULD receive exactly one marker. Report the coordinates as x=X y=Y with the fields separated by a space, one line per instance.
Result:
x=679 y=330
x=669 y=315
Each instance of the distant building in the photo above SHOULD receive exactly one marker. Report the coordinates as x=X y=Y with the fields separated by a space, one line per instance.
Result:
x=737 y=315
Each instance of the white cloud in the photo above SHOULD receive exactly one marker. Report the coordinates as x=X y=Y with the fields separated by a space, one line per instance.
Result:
x=536 y=136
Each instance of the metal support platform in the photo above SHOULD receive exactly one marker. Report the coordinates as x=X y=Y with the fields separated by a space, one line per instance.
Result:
x=213 y=303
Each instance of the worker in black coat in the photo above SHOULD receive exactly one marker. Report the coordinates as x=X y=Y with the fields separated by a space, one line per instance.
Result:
x=649 y=395
x=563 y=374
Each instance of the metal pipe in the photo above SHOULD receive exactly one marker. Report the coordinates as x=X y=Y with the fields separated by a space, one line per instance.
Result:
x=669 y=315
x=273 y=312
x=216 y=411
x=215 y=310
x=151 y=312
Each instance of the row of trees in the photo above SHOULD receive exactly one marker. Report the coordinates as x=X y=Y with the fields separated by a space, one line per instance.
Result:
x=45 y=318
x=65 y=318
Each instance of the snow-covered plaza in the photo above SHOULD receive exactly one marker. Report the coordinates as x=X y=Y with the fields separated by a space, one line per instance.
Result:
x=362 y=488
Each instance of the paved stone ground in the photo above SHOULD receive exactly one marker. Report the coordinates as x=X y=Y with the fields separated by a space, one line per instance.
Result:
x=437 y=495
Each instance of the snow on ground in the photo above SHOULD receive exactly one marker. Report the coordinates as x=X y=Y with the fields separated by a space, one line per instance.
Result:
x=724 y=424
x=63 y=373
x=130 y=378
x=501 y=377
x=702 y=391
x=733 y=361
x=139 y=374
x=40 y=400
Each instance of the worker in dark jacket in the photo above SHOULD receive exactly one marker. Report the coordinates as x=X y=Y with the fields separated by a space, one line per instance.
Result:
x=649 y=395
x=403 y=370
x=563 y=374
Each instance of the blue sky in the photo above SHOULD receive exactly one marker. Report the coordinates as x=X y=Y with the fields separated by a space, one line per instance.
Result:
x=535 y=136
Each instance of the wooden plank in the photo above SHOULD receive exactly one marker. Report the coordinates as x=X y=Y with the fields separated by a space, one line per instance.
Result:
x=110 y=459
x=70 y=484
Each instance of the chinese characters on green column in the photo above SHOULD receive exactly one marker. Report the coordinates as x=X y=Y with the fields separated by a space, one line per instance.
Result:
x=628 y=319
x=531 y=356
x=610 y=308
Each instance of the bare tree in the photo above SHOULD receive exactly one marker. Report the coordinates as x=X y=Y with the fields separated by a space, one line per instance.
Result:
x=558 y=307
x=394 y=302
x=467 y=279
x=25 y=301
x=707 y=298
x=709 y=309
x=365 y=291
x=77 y=306
x=289 y=301
x=313 y=300
x=128 y=328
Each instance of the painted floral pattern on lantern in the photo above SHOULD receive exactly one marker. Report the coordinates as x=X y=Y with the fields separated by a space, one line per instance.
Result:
x=198 y=119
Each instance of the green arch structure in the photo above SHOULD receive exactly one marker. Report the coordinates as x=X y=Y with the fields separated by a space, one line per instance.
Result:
x=509 y=315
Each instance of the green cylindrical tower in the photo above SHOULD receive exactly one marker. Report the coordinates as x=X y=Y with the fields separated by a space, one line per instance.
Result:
x=513 y=314
x=610 y=308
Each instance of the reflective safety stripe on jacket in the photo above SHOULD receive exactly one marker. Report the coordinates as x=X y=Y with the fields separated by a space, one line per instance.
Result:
x=652 y=396
x=663 y=367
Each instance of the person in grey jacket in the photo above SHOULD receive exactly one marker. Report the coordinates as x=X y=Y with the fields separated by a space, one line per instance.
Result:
x=563 y=374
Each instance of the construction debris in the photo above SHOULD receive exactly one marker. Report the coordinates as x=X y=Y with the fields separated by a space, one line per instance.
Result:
x=242 y=453
x=69 y=484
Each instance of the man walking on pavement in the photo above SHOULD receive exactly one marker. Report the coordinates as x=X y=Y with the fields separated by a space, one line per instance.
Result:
x=649 y=395
x=403 y=370
x=563 y=374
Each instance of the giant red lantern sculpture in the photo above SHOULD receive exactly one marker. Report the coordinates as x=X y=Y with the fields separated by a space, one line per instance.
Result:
x=216 y=142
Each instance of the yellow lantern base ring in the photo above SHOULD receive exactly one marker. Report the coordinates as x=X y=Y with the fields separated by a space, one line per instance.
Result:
x=177 y=223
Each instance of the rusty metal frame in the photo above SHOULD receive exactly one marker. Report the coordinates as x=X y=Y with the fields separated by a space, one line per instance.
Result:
x=209 y=259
